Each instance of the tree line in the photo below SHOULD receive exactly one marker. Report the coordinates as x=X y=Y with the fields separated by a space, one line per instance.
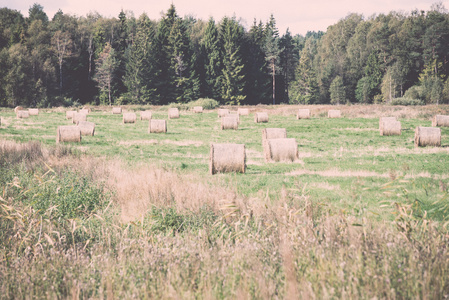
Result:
x=72 y=60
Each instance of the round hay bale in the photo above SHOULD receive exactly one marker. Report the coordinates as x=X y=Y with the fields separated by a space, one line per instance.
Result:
x=116 y=110
x=86 y=127
x=198 y=109
x=223 y=112
x=68 y=134
x=230 y=122
x=33 y=111
x=84 y=111
x=390 y=127
x=173 y=113
x=69 y=114
x=225 y=158
x=285 y=150
x=23 y=114
x=157 y=126
x=88 y=109
x=381 y=124
x=274 y=133
x=76 y=117
x=243 y=111
x=17 y=108
x=261 y=117
x=146 y=115
x=129 y=117
x=427 y=136
x=440 y=121
x=303 y=114
x=334 y=113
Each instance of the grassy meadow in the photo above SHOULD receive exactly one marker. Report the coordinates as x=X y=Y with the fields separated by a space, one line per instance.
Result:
x=129 y=214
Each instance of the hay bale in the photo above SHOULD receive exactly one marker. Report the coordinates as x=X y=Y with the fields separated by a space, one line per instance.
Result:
x=84 y=111
x=381 y=120
x=229 y=122
x=427 y=136
x=116 y=110
x=243 y=111
x=261 y=117
x=146 y=115
x=87 y=128
x=440 y=121
x=68 y=134
x=173 y=113
x=129 y=117
x=303 y=114
x=223 y=112
x=22 y=114
x=390 y=127
x=77 y=117
x=69 y=114
x=157 y=126
x=225 y=158
x=198 y=109
x=334 y=113
x=33 y=111
x=274 y=133
x=17 y=108
x=284 y=149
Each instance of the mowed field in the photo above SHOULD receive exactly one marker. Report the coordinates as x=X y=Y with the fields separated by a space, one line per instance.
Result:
x=357 y=215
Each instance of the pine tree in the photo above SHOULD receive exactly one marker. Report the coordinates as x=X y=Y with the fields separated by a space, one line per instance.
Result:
x=106 y=65
x=272 y=52
x=337 y=91
x=213 y=67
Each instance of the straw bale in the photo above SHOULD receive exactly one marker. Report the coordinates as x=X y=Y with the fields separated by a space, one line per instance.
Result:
x=229 y=122
x=303 y=114
x=382 y=119
x=440 y=121
x=68 y=134
x=173 y=113
x=69 y=114
x=116 y=110
x=225 y=158
x=76 y=117
x=243 y=111
x=17 y=108
x=129 y=117
x=390 y=127
x=23 y=114
x=86 y=127
x=334 y=113
x=223 y=112
x=261 y=117
x=285 y=150
x=33 y=111
x=198 y=109
x=274 y=133
x=146 y=115
x=88 y=109
x=427 y=136
x=84 y=111
x=157 y=126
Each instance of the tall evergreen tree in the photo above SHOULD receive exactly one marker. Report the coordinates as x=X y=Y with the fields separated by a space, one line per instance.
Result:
x=272 y=52
x=213 y=67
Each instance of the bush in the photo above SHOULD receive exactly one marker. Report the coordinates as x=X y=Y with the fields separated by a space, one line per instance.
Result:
x=206 y=103
x=406 y=101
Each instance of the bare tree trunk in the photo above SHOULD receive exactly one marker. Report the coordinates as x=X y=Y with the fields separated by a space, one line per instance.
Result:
x=274 y=83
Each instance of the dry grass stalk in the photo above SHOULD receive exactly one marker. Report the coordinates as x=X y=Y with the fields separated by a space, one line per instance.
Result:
x=84 y=111
x=261 y=117
x=23 y=114
x=303 y=114
x=69 y=114
x=77 y=117
x=390 y=127
x=157 y=126
x=285 y=150
x=173 y=113
x=223 y=112
x=230 y=122
x=274 y=133
x=427 y=136
x=146 y=115
x=225 y=158
x=87 y=128
x=33 y=111
x=334 y=113
x=129 y=117
x=116 y=110
x=198 y=109
x=440 y=121
x=68 y=134
x=243 y=111
x=17 y=108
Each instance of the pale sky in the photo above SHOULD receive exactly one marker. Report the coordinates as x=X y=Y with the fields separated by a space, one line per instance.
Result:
x=300 y=15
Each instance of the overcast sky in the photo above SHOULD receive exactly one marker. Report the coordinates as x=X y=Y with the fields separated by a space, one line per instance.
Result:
x=298 y=15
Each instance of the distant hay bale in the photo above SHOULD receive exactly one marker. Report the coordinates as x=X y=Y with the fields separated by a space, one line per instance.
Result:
x=225 y=158
x=146 y=115
x=173 y=113
x=198 y=109
x=23 y=114
x=390 y=127
x=77 y=117
x=68 y=134
x=334 y=113
x=382 y=119
x=84 y=111
x=303 y=114
x=223 y=112
x=274 y=133
x=234 y=115
x=157 y=126
x=129 y=117
x=440 y=121
x=229 y=122
x=243 y=111
x=33 y=111
x=17 y=108
x=280 y=150
x=427 y=136
x=69 y=114
x=261 y=117
x=86 y=127
x=116 y=110
x=88 y=109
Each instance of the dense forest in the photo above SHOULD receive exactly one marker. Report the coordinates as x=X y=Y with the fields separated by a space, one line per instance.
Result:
x=70 y=60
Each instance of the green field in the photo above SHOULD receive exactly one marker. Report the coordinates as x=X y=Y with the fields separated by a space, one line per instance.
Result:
x=335 y=223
